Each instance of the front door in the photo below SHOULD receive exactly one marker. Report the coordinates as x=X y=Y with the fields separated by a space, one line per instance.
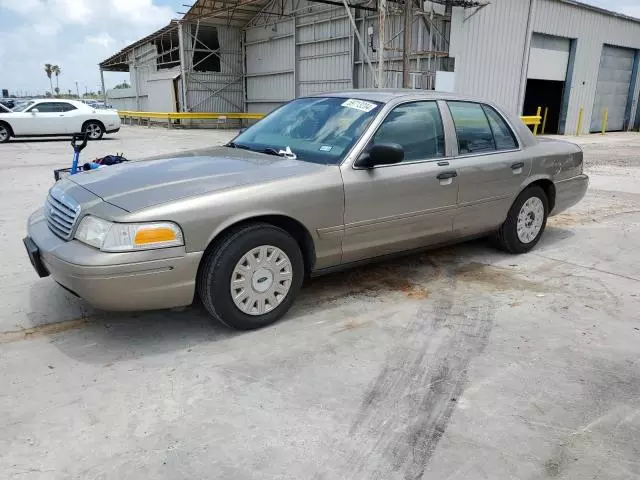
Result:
x=48 y=120
x=411 y=204
x=490 y=165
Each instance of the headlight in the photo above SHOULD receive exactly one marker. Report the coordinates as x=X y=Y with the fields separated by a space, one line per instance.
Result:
x=125 y=237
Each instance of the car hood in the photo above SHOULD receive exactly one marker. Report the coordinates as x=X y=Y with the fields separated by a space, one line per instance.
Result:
x=141 y=184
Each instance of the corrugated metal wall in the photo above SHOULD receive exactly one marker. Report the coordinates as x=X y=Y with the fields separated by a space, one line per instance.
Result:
x=592 y=29
x=270 y=57
x=489 y=48
x=216 y=91
x=308 y=51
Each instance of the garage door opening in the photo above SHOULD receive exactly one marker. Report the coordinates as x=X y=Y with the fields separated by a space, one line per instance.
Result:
x=549 y=63
x=548 y=95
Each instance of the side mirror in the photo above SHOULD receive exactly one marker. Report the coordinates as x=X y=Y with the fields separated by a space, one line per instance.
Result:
x=380 y=154
x=34 y=111
x=242 y=130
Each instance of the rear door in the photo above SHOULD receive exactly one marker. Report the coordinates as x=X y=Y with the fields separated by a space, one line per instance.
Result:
x=490 y=164
x=44 y=118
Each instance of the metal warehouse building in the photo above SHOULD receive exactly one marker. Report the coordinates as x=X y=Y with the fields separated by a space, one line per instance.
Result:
x=252 y=55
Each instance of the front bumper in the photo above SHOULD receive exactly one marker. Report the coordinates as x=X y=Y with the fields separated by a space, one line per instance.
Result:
x=569 y=192
x=145 y=280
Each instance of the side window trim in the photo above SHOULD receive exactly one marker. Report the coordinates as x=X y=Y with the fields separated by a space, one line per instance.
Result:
x=507 y=124
x=437 y=102
x=456 y=153
x=493 y=133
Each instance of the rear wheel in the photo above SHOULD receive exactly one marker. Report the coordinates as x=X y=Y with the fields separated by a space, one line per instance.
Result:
x=5 y=132
x=94 y=129
x=252 y=277
x=525 y=222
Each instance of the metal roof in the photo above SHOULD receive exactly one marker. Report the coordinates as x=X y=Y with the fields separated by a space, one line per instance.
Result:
x=604 y=11
x=119 y=62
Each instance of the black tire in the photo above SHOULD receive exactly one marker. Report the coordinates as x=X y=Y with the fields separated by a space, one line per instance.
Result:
x=216 y=269
x=506 y=238
x=95 y=128
x=5 y=132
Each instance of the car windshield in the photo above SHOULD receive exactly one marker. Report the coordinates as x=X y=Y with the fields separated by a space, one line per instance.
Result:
x=316 y=129
x=22 y=106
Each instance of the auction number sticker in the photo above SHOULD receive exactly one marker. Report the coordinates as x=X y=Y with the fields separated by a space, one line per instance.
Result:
x=361 y=105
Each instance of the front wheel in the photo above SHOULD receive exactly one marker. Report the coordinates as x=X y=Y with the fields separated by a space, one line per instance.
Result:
x=252 y=277
x=94 y=129
x=525 y=222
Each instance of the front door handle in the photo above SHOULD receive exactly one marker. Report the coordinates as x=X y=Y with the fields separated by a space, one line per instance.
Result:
x=447 y=175
x=518 y=165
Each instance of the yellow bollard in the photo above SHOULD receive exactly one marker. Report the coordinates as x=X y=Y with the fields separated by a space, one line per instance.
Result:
x=605 y=117
x=580 y=116
x=544 y=121
x=535 y=129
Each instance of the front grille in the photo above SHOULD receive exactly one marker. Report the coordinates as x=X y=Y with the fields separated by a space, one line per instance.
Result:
x=61 y=214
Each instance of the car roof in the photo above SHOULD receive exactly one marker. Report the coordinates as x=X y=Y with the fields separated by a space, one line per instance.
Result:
x=72 y=102
x=386 y=95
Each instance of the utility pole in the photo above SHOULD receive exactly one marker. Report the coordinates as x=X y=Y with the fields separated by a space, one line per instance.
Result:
x=406 y=59
x=382 y=18
x=77 y=91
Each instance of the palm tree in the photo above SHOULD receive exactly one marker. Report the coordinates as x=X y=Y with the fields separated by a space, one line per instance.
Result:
x=48 y=69
x=55 y=69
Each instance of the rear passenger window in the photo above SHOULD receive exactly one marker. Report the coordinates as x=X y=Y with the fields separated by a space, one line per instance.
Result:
x=472 y=128
x=66 y=107
x=417 y=126
x=502 y=134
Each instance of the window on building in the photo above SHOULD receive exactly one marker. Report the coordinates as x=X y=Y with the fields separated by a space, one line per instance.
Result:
x=472 y=128
x=502 y=134
x=417 y=126
x=206 y=49
x=168 y=48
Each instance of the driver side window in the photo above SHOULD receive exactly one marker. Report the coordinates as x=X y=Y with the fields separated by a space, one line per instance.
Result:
x=417 y=127
x=45 y=107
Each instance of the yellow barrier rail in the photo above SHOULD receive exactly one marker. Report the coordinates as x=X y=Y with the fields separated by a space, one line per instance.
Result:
x=534 y=120
x=169 y=116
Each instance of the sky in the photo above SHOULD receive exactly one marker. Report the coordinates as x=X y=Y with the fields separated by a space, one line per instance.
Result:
x=77 y=34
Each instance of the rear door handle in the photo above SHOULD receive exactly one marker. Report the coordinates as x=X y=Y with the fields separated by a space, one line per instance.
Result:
x=447 y=175
x=518 y=165
x=443 y=163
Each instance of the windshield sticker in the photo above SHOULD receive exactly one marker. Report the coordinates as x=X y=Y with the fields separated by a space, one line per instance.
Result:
x=361 y=105
x=326 y=148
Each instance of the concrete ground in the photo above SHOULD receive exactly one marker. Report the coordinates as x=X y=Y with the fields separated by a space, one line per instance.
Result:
x=460 y=363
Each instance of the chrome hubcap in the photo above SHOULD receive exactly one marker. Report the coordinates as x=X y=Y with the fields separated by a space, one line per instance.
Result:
x=530 y=220
x=94 y=130
x=4 y=133
x=261 y=280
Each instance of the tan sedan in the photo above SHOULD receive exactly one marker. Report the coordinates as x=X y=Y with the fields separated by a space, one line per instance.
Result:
x=324 y=182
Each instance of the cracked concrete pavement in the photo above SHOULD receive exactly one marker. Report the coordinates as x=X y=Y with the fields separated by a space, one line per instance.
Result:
x=458 y=363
